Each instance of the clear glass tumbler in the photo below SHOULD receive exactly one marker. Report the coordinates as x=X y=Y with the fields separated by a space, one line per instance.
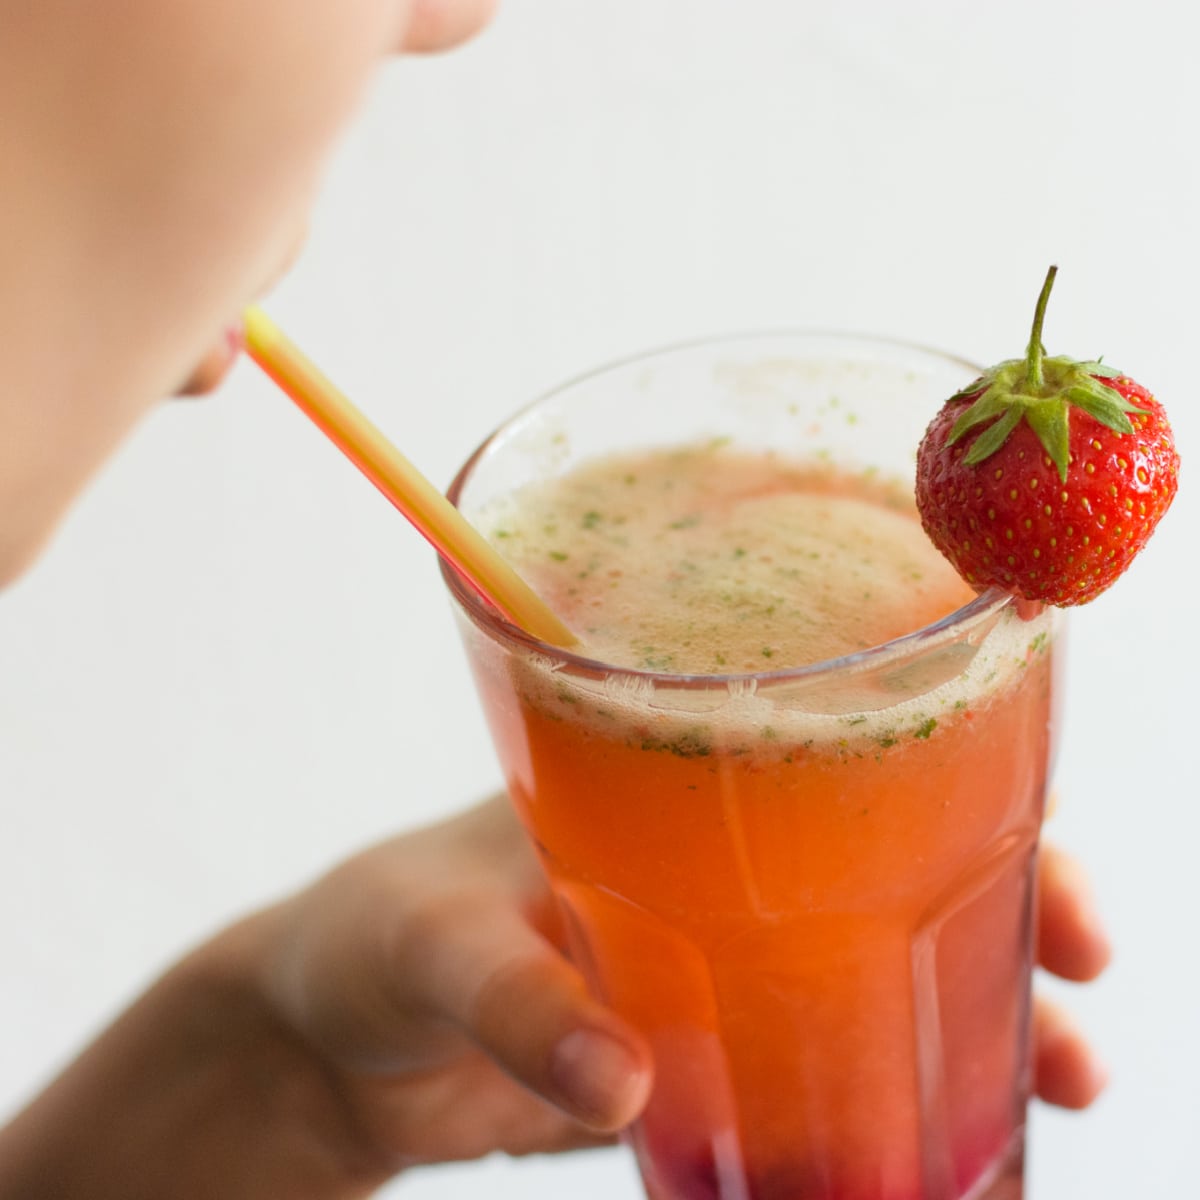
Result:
x=810 y=889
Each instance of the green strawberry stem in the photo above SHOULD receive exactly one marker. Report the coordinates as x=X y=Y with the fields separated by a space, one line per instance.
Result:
x=1041 y=392
x=1033 y=356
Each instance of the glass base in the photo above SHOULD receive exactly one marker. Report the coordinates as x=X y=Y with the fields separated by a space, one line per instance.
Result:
x=1003 y=1180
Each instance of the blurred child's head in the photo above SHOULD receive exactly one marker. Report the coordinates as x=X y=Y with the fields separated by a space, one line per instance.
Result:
x=160 y=161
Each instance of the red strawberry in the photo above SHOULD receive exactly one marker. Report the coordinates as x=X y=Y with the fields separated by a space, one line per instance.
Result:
x=1046 y=476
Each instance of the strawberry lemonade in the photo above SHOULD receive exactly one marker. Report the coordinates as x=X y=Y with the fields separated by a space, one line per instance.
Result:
x=788 y=786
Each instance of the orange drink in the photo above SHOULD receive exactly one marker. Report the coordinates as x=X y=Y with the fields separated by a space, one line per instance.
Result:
x=788 y=787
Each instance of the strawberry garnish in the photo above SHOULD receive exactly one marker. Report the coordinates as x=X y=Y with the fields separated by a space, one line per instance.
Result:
x=1046 y=476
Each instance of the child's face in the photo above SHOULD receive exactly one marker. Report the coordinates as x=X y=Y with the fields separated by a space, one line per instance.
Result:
x=161 y=181
x=424 y=27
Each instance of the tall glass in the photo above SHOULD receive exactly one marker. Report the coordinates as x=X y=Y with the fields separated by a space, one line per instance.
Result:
x=810 y=889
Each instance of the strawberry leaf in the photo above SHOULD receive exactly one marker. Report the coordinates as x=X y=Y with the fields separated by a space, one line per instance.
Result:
x=1102 y=369
x=1050 y=420
x=1107 y=406
x=990 y=405
x=992 y=438
x=971 y=390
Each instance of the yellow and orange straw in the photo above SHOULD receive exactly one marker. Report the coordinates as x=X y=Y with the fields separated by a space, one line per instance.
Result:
x=439 y=522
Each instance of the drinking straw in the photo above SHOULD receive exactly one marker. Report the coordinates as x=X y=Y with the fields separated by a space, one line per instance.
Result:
x=435 y=518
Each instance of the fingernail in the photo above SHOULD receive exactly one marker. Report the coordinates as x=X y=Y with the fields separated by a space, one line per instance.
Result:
x=595 y=1074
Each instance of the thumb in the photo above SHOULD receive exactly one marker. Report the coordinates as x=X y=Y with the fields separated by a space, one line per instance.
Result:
x=525 y=1006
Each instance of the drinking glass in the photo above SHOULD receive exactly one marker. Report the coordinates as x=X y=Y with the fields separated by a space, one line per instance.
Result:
x=811 y=889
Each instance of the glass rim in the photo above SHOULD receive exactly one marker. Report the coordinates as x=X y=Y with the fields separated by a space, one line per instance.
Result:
x=980 y=609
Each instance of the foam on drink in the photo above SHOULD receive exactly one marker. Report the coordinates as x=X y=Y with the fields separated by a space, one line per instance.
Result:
x=703 y=560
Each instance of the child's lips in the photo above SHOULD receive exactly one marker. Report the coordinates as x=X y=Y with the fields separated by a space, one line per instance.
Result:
x=207 y=375
x=215 y=365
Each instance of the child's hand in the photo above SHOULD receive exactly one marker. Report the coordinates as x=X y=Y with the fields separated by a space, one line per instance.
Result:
x=413 y=1006
x=427 y=976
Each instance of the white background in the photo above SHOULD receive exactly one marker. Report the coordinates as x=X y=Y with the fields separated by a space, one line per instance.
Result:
x=236 y=662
